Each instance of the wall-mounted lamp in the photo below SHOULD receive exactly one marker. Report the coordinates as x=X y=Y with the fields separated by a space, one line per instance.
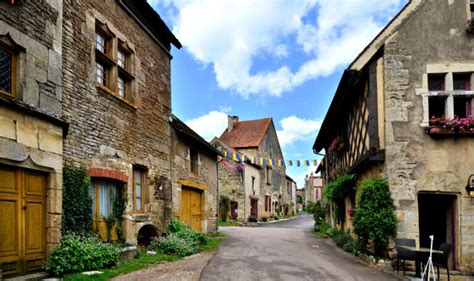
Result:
x=470 y=186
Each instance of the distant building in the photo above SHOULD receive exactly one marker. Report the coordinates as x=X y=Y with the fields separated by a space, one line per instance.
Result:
x=290 y=196
x=313 y=187
x=255 y=138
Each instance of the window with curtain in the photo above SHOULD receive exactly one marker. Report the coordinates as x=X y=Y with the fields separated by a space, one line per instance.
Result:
x=103 y=193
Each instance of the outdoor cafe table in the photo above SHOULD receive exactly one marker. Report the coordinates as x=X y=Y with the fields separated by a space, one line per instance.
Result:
x=422 y=255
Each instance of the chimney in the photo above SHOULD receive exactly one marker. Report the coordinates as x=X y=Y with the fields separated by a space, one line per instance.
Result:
x=231 y=120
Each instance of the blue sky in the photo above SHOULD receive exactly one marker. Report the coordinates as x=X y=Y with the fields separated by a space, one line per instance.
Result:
x=266 y=58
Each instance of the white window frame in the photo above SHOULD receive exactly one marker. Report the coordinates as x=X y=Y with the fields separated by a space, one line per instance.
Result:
x=449 y=92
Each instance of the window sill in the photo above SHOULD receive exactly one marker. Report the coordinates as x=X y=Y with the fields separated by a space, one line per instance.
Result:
x=107 y=92
x=448 y=93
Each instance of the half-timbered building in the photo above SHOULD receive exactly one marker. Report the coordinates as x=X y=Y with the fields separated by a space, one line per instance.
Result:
x=402 y=111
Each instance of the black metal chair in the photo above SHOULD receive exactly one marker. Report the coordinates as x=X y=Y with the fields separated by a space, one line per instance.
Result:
x=404 y=254
x=443 y=259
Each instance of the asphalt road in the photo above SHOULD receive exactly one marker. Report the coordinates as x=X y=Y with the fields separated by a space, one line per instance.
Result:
x=285 y=251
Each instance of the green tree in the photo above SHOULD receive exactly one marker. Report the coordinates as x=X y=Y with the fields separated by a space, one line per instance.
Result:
x=374 y=217
x=77 y=204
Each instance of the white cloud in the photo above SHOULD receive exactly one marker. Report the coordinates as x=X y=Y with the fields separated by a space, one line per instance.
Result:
x=210 y=125
x=296 y=129
x=228 y=35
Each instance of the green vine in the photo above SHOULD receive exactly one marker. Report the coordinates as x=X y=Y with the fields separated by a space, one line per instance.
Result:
x=77 y=204
x=336 y=191
x=224 y=207
x=119 y=205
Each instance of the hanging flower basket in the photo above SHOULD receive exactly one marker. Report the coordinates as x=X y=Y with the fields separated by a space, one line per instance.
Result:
x=337 y=147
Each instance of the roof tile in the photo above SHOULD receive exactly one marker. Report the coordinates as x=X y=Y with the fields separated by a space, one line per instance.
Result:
x=248 y=133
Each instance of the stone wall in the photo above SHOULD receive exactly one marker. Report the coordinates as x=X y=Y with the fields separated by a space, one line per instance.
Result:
x=107 y=131
x=433 y=39
x=207 y=176
x=31 y=131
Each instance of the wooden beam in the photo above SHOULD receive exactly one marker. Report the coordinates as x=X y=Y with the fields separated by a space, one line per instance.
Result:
x=194 y=184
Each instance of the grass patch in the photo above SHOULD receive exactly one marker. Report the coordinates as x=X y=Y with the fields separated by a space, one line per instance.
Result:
x=230 y=223
x=214 y=242
x=140 y=262
x=322 y=230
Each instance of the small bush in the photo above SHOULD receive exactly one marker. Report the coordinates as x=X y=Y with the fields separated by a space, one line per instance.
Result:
x=180 y=240
x=175 y=245
x=374 y=217
x=341 y=237
x=78 y=253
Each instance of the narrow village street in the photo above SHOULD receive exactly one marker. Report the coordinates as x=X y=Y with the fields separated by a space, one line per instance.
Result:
x=285 y=251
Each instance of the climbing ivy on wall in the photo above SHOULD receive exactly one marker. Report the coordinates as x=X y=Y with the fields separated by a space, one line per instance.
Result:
x=336 y=191
x=224 y=207
x=77 y=204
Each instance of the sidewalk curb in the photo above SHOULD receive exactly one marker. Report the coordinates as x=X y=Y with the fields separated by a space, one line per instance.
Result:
x=254 y=224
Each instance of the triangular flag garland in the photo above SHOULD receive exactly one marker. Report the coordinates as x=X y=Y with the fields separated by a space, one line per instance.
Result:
x=240 y=158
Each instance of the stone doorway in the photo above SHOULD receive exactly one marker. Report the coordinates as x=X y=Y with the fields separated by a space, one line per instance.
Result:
x=438 y=217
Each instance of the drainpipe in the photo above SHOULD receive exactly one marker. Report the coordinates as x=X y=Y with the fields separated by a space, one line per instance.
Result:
x=245 y=196
x=218 y=194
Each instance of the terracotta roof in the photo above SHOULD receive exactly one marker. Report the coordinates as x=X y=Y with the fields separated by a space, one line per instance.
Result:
x=246 y=133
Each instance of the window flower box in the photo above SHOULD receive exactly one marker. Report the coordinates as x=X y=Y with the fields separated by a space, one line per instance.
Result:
x=451 y=126
x=446 y=131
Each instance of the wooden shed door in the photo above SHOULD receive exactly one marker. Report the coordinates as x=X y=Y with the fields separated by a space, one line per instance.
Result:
x=191 y=208
x=22 y=223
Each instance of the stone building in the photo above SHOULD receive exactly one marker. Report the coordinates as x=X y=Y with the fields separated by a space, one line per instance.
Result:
x=242 y=183
x=31 y=133
x=387 y=119
x=258 y=139
x=289 y=197
x=117 y=99
x=194 y=178
x=313 y=186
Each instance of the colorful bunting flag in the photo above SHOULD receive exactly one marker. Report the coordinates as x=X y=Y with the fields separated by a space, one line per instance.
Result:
x=264 y=162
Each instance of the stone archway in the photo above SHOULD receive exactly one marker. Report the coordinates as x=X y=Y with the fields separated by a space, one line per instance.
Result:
x=146 y=234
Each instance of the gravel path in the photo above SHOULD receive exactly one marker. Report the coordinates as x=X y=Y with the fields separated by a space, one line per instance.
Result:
x=187 y=269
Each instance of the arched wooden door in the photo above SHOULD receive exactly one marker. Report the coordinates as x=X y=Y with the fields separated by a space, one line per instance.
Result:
x=22 y=223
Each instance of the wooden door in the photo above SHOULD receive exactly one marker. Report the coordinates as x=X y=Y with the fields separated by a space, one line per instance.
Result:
x=253 y=208
x=22 y=223
x=191 y=208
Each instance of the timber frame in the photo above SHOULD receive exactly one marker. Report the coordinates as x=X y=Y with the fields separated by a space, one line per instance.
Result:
x=353 y=118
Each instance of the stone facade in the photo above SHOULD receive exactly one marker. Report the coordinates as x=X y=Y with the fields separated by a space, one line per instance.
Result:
x=201 y=178
x=121 y=134
x=424 y=170
x=269 y=181
x=241 y=185
x=31 y=125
